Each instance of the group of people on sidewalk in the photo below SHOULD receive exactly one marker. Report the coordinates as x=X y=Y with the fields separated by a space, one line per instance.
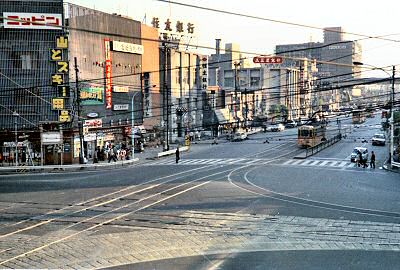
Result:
x=361 y=162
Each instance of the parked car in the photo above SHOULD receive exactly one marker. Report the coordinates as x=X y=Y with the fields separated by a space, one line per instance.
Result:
x=276 y=127
x=239 y=137
x=356 y=151
x=290 y=124
x=379 y=139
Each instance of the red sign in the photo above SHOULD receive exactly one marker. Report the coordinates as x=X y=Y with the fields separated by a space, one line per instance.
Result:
x=268 y=60
x=32 y=20
x=93 y=123
x=108 y=74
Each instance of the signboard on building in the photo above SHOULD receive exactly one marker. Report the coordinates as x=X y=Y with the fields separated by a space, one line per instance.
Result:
x=121 y=107
x=90 y=137
x=49 y=138
x=18 y=20
x=204 y=72
x=119 y=46
x=107 y=51
x=93 y=123
x=268 y=60
x=92 y=95
x=120 y=89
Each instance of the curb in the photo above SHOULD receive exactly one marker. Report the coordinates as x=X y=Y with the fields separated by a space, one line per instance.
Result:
x=64 y=168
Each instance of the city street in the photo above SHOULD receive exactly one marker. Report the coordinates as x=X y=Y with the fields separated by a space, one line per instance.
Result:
x=234 y=205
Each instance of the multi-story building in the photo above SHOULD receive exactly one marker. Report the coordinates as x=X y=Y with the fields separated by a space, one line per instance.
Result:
x=30 y=76
x=181 y=90
x=109 y=53
x=335 y=57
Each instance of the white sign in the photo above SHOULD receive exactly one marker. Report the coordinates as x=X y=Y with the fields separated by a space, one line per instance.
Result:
x=204 y=72
x=51 y=138
x=121 y=107
x=32 y=20
x=120 y=89
x=93 y=123
x=127 y=47
x=90 y=137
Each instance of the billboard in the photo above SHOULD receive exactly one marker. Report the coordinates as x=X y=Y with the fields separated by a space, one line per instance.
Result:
x=18 y=20
x=92 y=95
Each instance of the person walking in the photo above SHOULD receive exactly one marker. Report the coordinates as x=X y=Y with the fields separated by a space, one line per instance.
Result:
x=360 y=159
x=112 y=154
x=177 y=156
x=372 y=161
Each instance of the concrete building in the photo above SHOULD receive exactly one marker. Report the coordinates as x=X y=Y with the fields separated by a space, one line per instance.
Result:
x=151 y=87
x=182 y=92
x=29 y=77
x=109 y=53
x=340 y=54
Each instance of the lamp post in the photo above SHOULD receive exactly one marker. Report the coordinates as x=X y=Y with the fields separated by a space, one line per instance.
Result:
x=391 y=104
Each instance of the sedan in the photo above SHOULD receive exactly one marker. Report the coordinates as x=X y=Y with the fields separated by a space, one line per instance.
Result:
x=379 y=139
x=276 y=127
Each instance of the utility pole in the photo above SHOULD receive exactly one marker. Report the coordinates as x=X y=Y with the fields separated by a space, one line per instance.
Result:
x=78 y=102
x=246 y=109
x=392 y=118
x=16 y=139
x=236 y=64
x=166 y=93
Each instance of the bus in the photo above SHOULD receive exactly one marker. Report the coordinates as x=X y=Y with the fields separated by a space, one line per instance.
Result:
x=311 y=135
x=358 y=116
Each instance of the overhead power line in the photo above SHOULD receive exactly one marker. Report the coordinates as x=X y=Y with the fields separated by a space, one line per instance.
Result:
x=272 y=20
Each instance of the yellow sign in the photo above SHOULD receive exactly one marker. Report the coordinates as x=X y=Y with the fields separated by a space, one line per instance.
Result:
x=64 y=116
x=56 y=54
x=63 y=91
x=62 y=42
x=62 y=67
x=57 y=79
x=58 y=104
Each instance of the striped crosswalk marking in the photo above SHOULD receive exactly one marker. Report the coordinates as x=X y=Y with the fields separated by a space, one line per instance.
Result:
x=330 y=163
x=323 y=163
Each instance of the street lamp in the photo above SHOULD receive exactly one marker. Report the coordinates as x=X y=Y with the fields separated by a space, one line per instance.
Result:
x=391 y=104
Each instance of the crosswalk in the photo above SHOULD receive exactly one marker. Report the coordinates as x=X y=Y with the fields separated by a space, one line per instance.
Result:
x=214 y=161
x=331 y=163
x=319 y=163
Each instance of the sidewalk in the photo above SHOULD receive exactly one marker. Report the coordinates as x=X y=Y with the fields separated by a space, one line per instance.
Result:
x=148 y=154
x=387 y=167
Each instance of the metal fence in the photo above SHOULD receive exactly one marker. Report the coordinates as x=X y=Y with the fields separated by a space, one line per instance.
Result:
x=313 y=150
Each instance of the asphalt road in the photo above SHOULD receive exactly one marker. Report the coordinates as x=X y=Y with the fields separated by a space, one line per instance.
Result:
x=235 y=205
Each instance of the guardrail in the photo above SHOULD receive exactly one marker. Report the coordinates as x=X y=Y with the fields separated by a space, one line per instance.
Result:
x=319 y=147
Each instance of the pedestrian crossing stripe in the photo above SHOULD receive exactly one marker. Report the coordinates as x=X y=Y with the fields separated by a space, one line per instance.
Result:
x=258 y=161
x=319 y=163
x=214 y=161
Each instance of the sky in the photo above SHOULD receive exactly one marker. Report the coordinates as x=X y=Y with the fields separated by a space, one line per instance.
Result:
x=372 y=18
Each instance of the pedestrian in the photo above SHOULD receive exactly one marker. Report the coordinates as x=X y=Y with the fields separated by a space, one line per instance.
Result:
x=177 y=157
x=360 y=159
x=372 y=161
x=112 y=154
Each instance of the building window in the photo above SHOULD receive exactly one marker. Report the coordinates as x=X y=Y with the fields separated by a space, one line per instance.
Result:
x=255 y=81
x=26 y=61
x=228 y=82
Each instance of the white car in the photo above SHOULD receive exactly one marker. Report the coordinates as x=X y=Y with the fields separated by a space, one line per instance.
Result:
x=276 y=127
x=239 y=136
x=379 y=139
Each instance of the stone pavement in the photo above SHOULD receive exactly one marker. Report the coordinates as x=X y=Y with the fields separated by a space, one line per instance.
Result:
x=154 y=236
